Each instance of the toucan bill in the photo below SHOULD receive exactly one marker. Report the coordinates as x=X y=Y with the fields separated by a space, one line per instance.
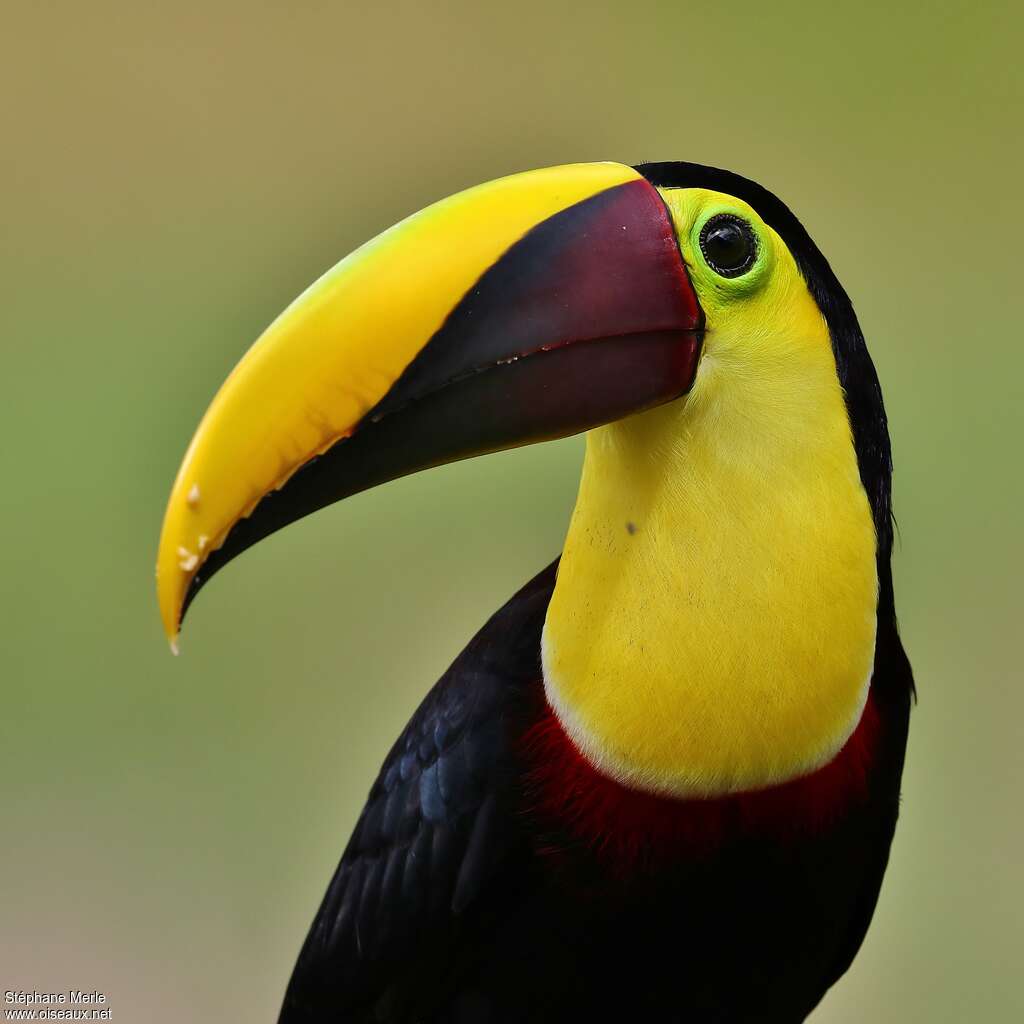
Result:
x=529 y=308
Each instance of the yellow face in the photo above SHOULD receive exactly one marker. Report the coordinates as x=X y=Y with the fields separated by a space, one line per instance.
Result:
x=712 y=629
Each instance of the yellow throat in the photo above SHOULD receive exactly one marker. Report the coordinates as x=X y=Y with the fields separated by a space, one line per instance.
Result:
x=712 y=628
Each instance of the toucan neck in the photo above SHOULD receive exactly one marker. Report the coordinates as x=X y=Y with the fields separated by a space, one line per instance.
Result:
x=713 y=624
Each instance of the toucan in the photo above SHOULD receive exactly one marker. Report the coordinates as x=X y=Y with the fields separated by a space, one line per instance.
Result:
x=662 y=781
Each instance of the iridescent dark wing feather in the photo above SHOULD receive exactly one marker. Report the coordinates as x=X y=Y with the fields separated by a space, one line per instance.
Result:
x=440 y=823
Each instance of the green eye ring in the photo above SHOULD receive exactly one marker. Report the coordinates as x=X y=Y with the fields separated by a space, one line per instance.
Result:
x=735 y=248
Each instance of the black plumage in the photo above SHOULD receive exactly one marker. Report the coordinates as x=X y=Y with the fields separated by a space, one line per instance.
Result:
x=458 y=901
x=431 y=856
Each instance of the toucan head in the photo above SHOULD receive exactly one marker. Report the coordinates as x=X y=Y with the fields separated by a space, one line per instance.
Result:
x=530 y=308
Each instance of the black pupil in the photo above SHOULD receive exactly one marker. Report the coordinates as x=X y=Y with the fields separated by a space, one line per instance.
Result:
x=728 y=245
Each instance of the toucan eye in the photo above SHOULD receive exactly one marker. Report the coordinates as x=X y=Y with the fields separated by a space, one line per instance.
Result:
x=729 y=245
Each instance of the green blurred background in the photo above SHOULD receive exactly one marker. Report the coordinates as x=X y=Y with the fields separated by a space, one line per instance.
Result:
x=173 y=174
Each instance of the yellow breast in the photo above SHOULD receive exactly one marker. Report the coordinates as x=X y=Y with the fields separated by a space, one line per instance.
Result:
x=712 y=629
